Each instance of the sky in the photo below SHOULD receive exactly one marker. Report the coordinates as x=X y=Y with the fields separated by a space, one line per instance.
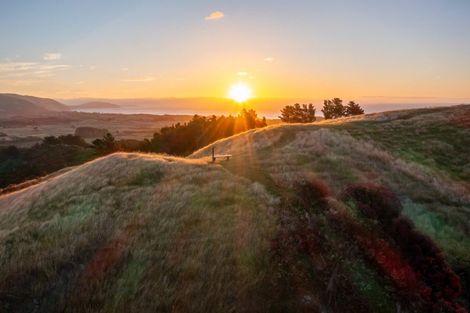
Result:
x=309 y=49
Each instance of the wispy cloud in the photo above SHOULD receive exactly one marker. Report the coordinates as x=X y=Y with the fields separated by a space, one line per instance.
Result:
x=51 y=56
x=8 y=67
x=269 y=59
x=146 y=79
x=242 y=73
x=30 y=69
x=214 y=16
x=19 y=82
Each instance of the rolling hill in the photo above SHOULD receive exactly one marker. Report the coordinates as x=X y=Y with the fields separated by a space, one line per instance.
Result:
x=24 y=105
x=363 y=214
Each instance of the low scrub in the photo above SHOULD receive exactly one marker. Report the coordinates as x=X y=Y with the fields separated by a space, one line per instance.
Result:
x=441 y=286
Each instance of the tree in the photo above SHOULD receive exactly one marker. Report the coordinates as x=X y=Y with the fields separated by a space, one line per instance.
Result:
x=333 y=108
x=106 y=145
x=183 y=139
x=353 y=108
x=72 y=140
x=249 y=117
x=51 y=140
x=298 y=113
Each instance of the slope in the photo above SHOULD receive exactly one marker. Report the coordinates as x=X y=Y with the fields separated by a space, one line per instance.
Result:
x=140 y=233
x=422 y=156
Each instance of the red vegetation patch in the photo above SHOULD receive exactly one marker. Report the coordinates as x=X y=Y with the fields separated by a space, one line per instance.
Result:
x=392 y=262
x=462 y=120
x=387 y=257
x=375 y=202
x=312 y=192
x=102 y=262
x=414 y=262
x=307 y=268
x=294 y=237
x=108 y=256
x=427 y=260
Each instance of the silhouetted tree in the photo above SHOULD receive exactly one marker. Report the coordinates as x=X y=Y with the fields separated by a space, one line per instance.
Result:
x=333 y=108
x=298 y=113
x=50 y=140
x=249 y=116
x=353 y=108
x=106 y=145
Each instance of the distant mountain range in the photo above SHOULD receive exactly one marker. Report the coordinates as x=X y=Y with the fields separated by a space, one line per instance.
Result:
x=12 y=104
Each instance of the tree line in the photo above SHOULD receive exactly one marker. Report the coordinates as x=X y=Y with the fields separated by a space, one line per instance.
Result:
x=54 y=153
x=183 y=139
x=303 y=113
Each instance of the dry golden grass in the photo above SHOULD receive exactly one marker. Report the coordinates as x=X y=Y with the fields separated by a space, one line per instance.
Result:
x=176 y=233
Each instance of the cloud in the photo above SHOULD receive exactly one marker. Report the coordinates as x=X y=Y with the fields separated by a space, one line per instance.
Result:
x=8 y=67
x=269 y=59
x=19 y=82
x=214 y=16
x=30 y=69
x=147 y=79
x=51 y=56
x=242 y=74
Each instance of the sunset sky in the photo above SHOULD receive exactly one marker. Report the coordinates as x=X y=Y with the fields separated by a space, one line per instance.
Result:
x=200 y=48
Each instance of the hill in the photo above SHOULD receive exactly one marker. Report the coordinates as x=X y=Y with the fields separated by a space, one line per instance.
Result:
x=94 y=105
x=23 y=105
x=366 y=214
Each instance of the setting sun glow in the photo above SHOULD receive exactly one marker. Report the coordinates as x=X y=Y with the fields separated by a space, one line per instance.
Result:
x=240 y=93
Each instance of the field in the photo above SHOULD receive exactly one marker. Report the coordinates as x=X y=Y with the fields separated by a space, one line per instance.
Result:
x=367 y=214
x=27 y=131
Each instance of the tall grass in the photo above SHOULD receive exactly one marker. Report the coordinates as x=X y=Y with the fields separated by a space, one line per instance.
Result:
x=136 y=232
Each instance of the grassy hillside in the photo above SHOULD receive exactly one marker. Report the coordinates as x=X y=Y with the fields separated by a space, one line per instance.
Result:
x=324 y=217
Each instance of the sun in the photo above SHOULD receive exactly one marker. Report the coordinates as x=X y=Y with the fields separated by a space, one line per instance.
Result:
x=240 y=93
